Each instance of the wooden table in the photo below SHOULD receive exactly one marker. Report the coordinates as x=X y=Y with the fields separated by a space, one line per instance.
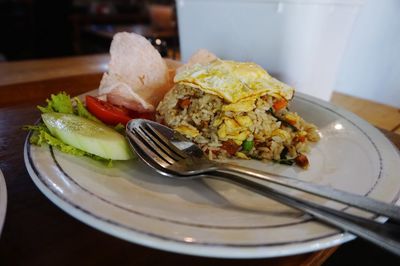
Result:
x=36 y=232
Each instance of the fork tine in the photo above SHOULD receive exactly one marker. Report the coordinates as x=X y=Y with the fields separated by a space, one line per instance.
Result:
x=137 y=143
x=166 y=143
x=154 y=145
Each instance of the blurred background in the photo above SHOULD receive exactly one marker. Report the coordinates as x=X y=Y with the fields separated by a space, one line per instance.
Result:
x=33 y=29
x=317 y=46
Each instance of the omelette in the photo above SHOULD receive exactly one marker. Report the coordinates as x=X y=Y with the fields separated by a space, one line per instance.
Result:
x=237 y=110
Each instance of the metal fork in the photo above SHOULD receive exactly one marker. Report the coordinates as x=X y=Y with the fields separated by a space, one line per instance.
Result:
x=184 y=158
x=188 y=162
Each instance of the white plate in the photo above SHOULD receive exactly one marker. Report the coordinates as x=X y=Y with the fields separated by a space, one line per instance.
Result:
x=210 y=218
x=3 y=200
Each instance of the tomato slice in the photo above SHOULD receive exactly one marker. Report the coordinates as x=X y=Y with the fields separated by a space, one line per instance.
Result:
x=107 y=112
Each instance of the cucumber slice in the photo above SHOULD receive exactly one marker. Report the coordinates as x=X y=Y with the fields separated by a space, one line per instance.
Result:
x=89 y=136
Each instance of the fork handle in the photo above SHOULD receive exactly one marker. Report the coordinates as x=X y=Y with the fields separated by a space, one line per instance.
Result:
x=386 y=236
x=365 y=203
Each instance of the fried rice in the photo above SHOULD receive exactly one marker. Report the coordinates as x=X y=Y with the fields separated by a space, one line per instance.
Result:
x=266 y=131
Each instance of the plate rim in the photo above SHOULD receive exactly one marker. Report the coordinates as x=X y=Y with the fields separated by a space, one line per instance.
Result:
x=171 y=245
x=194 y=248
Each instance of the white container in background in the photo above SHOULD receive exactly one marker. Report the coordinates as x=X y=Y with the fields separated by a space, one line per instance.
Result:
x=299 y=42
x=370 y=68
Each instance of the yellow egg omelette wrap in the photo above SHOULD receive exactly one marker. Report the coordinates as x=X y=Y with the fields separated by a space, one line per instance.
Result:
x=233 y=81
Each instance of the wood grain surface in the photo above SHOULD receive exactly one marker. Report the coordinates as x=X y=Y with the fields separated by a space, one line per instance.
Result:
x=36 y=70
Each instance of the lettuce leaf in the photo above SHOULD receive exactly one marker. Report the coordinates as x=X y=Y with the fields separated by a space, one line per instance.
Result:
x=62 y=103
x=120 y=128
x=83 y=112
x=42 y=136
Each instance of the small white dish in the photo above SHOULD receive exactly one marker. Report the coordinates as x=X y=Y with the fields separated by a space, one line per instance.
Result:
x=3 y=200
x=216 y=219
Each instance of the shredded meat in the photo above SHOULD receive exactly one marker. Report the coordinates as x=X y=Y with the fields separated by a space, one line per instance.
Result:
x=230 y=146
x=184 y=103
x=302 y=161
